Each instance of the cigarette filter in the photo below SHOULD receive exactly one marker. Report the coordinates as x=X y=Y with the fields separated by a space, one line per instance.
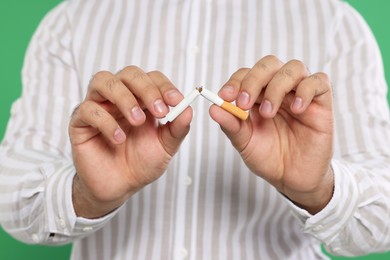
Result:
x=179 y=108
x=231 y=108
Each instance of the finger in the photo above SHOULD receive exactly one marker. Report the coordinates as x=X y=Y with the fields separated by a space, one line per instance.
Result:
x=90 y=114
x=169 y=92
x=174 y=133
x=238 y=131
x=256 y=79
x=226 y=120
x=231 y=88
x=106 y=86
x=281 y=84
x=143 y=87
x=315 y=87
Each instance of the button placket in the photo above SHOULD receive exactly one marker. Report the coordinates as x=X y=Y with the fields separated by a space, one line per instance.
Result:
x=184 y=253
x=187 y=181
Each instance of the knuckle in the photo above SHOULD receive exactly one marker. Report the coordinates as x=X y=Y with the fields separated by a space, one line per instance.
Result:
x=269 y=64
x=139 y=75
x=80 y=111
x=321 y=80
x=130 y=69
x=273 y=60
x=297 y=64
x=320 y=77
x=262 y=66
x=82 y=107
x=155 y=73
x=101 y=75
x=134 y=72
x=300 y=68
x=316 y=77
x=112 y=83
x=286 y=73
x=88 y=109
x=242 y=71
x=294 y=70
x=270 y=58
x=96 y=113
x=97 y=79
x=76 y=111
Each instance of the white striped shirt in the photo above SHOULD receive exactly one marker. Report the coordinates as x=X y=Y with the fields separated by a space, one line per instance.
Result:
x=208 y=205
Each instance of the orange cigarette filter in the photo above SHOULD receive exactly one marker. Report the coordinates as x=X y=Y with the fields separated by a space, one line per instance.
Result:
x=235 y=110
x=229 y=107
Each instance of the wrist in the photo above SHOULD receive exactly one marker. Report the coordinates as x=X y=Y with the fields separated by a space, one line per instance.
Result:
x=316 y=200
x=87 y=205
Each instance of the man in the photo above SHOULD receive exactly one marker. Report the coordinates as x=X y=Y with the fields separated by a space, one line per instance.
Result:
x=86 y=161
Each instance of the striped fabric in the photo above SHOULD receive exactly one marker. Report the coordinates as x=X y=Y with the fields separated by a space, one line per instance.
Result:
x=208 y=205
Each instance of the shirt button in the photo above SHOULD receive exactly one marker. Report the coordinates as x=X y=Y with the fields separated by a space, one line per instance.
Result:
x=187 y=181
x=87 y=229
x=35 y=238
x=318 y=228
x=183 y=252
x=62 y=223
x=195 y=49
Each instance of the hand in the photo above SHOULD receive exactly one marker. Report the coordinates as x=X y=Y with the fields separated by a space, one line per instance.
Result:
x=118 y=146
x=288 y=137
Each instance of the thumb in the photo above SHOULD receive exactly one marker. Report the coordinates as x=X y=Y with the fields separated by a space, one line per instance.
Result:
x=237 y=130
x=173 y=133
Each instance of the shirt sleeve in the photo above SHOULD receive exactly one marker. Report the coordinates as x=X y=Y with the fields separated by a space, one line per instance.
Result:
x=36 y=168
x=356 y=221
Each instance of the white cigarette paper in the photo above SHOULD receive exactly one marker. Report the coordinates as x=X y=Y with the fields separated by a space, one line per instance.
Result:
x=227 y=106
x=213 y=98
x=179 y=108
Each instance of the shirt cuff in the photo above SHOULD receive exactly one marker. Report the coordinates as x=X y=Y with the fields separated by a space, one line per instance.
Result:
x=326 y=224
x=63 y=224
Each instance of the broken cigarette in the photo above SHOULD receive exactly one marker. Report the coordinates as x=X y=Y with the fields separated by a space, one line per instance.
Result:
x=231 y=108
x=179 y=108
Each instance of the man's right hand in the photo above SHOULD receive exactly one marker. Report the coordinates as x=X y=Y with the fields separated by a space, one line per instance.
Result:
x=117 y=143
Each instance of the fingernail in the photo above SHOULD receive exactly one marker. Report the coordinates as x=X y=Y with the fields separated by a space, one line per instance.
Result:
x=266 y=107
x=227 y=89
x=137 y=114
x=119 y=135
x=172 y=94
x=297 y=104
x=243 y=99
x=159 y=106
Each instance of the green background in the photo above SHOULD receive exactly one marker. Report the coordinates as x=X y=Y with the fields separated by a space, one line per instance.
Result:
x=18 y=20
